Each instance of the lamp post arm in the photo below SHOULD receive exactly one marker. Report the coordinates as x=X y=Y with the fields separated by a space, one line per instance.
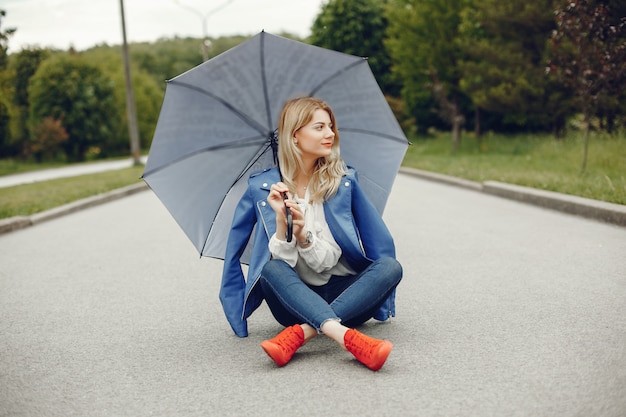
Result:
x=204 y=17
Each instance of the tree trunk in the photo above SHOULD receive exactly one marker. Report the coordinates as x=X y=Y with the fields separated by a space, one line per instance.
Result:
x=586 y=143
x=457 y=120
x=610 y=122
x=477 y=128
x=558 y=127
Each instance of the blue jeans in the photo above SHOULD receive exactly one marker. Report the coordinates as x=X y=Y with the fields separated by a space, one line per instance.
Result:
x=352 y=299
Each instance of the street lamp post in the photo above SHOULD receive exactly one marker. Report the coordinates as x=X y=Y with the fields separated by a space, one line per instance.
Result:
x=131 y=111
x=204 y=17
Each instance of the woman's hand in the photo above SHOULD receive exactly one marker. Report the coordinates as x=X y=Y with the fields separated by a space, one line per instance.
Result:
x=276 y=201
x=297 y=214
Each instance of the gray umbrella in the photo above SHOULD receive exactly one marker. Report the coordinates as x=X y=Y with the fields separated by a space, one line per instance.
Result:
x=218 y=122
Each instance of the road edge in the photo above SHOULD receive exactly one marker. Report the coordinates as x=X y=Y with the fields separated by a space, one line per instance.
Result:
x=20 y=222
x=585 y=207
x=592 y=209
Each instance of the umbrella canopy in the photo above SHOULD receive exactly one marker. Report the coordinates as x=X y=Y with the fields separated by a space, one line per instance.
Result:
x=218 y=122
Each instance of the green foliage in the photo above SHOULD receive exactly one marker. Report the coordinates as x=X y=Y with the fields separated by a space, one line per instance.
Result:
x=5 y=34
x=167 y=58
x=423 y=43
x=11 y=166
x=479 y=64
x=486 y=57
x=357 y=27
x=4 y=127
x=537 y=161
x=502 y=71
x=24 y=200
x=46 y=138
x=148 y=97
x=69 y=89
x=23 y=66
x=152 y=64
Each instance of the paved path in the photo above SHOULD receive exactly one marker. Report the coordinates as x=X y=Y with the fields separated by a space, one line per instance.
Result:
x=506 y=309
x=63 y=172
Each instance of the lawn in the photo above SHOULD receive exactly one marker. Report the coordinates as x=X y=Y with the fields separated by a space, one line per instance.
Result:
x=28 y=199
x=11 y=166
x=537 y=161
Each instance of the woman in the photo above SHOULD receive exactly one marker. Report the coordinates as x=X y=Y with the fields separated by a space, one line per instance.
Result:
x=338 y=271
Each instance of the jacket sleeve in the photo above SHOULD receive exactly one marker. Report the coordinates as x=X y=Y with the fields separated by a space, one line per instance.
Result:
x=375 y=236
x=232 y=290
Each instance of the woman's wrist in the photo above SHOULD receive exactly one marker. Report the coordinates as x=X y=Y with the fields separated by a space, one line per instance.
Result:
x=306 y=241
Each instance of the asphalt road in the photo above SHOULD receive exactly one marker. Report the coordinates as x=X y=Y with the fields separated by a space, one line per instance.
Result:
x=506 y=309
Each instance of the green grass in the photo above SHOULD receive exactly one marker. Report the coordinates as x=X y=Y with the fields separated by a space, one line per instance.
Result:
x=23 y=200
x=537 y=161
x=12 y=166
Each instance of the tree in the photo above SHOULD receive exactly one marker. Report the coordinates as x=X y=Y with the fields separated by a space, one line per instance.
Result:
x=357 y=27
x=588 y=56
x=4 y=129
x=4 y=41
x=148 y=99
x=23 y=66
x=612 y=109
x=67 y=88
x=423 y=41
x=5 y=34
x=46 y=138
x=505 y=45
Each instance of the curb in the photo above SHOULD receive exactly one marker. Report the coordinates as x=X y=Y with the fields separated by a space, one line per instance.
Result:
x=579 y=206
x=444 y=179
x=21 y=222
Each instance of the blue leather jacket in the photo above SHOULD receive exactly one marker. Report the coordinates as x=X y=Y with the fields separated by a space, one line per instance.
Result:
x=354 y=222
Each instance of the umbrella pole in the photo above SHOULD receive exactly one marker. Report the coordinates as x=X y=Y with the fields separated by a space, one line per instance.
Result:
x=289 y=220
x=273 y=137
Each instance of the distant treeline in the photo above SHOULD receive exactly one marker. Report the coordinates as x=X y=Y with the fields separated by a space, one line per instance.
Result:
x=464 y=65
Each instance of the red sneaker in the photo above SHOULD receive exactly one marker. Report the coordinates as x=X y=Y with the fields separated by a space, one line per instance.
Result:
x=369 y=351
x=282 y=347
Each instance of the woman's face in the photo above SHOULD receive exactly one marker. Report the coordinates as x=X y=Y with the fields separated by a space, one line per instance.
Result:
x=316 y=138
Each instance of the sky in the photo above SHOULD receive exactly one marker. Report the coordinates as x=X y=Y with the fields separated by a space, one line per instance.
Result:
x=86 y=23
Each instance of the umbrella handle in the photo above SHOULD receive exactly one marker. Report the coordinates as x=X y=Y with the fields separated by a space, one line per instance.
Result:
x=289 y=220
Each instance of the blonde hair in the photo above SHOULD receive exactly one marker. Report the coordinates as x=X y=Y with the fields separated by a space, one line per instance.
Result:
x=328 y=171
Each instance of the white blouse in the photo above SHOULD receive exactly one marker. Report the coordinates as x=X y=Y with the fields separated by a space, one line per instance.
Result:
x=316 y=263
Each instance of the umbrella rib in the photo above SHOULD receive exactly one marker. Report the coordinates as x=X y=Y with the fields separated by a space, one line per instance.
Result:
x=232 y=145
x=256 y=126
x=372 y=133
x=337 y=74
x=251 y=164
x=264 y=81
x=241 y=175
